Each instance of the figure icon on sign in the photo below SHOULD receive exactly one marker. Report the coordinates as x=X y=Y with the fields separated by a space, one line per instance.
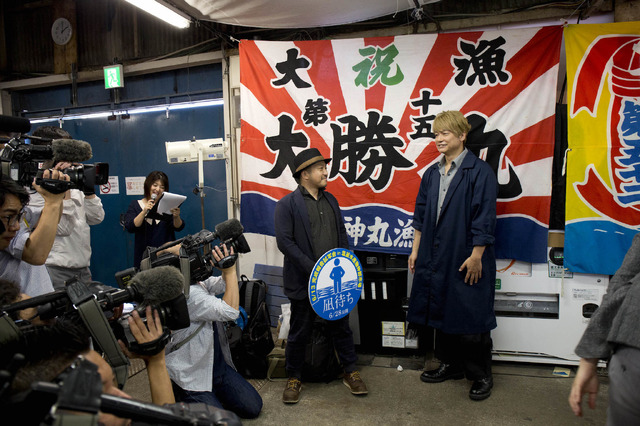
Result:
x=336 y=275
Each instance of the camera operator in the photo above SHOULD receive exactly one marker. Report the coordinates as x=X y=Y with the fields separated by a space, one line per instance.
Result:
x=49 y=350
x=71 y=253
x=10 y=293
x=199 y=358
x=21 y=251
x=161 y=391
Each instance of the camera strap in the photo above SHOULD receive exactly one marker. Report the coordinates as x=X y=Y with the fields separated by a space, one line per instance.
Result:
x=87 y=306
x=153 y=347
x=192 y=335
x=184 y=342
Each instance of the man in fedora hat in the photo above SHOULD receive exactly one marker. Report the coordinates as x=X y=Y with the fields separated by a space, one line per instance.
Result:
x=308 y=223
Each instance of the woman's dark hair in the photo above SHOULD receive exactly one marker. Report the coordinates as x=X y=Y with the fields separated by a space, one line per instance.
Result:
x=150 y=180
x=10 y=186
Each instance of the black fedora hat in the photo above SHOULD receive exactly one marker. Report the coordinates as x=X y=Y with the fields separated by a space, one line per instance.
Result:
x=306 y=158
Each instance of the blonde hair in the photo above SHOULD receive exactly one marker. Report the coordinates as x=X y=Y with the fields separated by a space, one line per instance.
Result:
x=452 y=121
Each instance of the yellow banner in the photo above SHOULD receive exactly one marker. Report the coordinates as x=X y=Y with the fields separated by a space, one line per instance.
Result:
x=603 y=162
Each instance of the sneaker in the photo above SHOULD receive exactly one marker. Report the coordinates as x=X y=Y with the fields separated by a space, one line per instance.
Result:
x=355 y=384
x=291 y=393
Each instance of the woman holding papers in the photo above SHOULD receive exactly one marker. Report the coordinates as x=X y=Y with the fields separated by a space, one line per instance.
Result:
x=151 y=232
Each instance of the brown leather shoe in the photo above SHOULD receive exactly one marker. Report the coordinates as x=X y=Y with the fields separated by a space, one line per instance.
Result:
x=291 y=393
x=355 y=384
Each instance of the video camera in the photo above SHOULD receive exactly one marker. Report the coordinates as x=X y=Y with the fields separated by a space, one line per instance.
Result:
x=173 y=313
x=194 y=262
x=196 y=255
x=76 y=396
x=22 y=162
x=160 y=288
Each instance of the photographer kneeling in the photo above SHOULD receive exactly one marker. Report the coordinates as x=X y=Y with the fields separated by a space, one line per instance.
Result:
x=199 y=359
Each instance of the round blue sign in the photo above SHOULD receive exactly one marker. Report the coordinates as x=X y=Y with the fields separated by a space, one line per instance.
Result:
x=335 y=284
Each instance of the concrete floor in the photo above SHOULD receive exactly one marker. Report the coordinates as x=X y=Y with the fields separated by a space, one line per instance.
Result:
x=523 y=394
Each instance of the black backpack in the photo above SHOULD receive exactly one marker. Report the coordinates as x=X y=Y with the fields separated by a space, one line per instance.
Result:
x=250 y=347
x=321 y=363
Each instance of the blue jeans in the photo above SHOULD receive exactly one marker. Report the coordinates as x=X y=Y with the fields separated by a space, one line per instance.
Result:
x=230 y=391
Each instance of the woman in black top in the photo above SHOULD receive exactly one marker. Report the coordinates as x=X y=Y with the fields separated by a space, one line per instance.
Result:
x=151 y=232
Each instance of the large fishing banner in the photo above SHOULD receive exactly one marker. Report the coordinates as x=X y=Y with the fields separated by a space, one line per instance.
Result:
x=369 y=104
x=603 y=162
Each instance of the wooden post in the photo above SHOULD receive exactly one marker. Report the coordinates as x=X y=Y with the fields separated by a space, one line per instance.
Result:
x=64 y=56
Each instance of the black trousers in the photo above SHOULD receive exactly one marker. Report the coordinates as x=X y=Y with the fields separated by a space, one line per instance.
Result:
x=472 y=352
x=300 y=329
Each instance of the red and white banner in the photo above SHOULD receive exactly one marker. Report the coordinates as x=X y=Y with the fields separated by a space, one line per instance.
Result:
x=369 y=104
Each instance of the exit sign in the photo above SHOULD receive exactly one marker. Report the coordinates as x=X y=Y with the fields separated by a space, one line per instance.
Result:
x=113 y=77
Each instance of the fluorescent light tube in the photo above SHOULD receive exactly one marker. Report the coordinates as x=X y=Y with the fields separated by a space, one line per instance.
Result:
x=141 y=110
x=165 y=12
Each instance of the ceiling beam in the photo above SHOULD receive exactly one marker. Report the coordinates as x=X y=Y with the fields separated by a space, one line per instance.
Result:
x=129 y=70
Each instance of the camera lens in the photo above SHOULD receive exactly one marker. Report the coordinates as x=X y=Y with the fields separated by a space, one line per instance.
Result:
x=76 y=174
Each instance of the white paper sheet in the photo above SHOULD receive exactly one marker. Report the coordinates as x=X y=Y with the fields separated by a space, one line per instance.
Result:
x=169 y=201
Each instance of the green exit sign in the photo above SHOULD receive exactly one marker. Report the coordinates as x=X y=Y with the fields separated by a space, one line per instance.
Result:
x=113 y=77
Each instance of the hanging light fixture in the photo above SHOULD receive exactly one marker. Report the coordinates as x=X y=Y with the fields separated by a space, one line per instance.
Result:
x=163 y=11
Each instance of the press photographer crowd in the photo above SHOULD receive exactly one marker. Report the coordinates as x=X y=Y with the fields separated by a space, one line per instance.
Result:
x=66 y=341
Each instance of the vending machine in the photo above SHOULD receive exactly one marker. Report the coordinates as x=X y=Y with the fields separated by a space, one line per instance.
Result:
x=380 y=318
x=542 y=309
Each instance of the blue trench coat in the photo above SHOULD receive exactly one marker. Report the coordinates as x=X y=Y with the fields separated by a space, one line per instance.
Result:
x=439 y=296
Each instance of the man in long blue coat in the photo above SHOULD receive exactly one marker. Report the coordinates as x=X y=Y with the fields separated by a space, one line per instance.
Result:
x=453 y=258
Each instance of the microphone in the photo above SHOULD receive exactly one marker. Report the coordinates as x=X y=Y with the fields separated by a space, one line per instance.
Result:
x=153 y=198
x=159 y=284
x=71 y=150
x=150 y=287
x=12 y=124
x=162 y=288
x=229 y=229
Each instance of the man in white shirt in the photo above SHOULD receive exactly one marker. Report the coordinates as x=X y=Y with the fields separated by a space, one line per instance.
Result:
x=199 y=359
x=71 y=253
x=20 y=251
